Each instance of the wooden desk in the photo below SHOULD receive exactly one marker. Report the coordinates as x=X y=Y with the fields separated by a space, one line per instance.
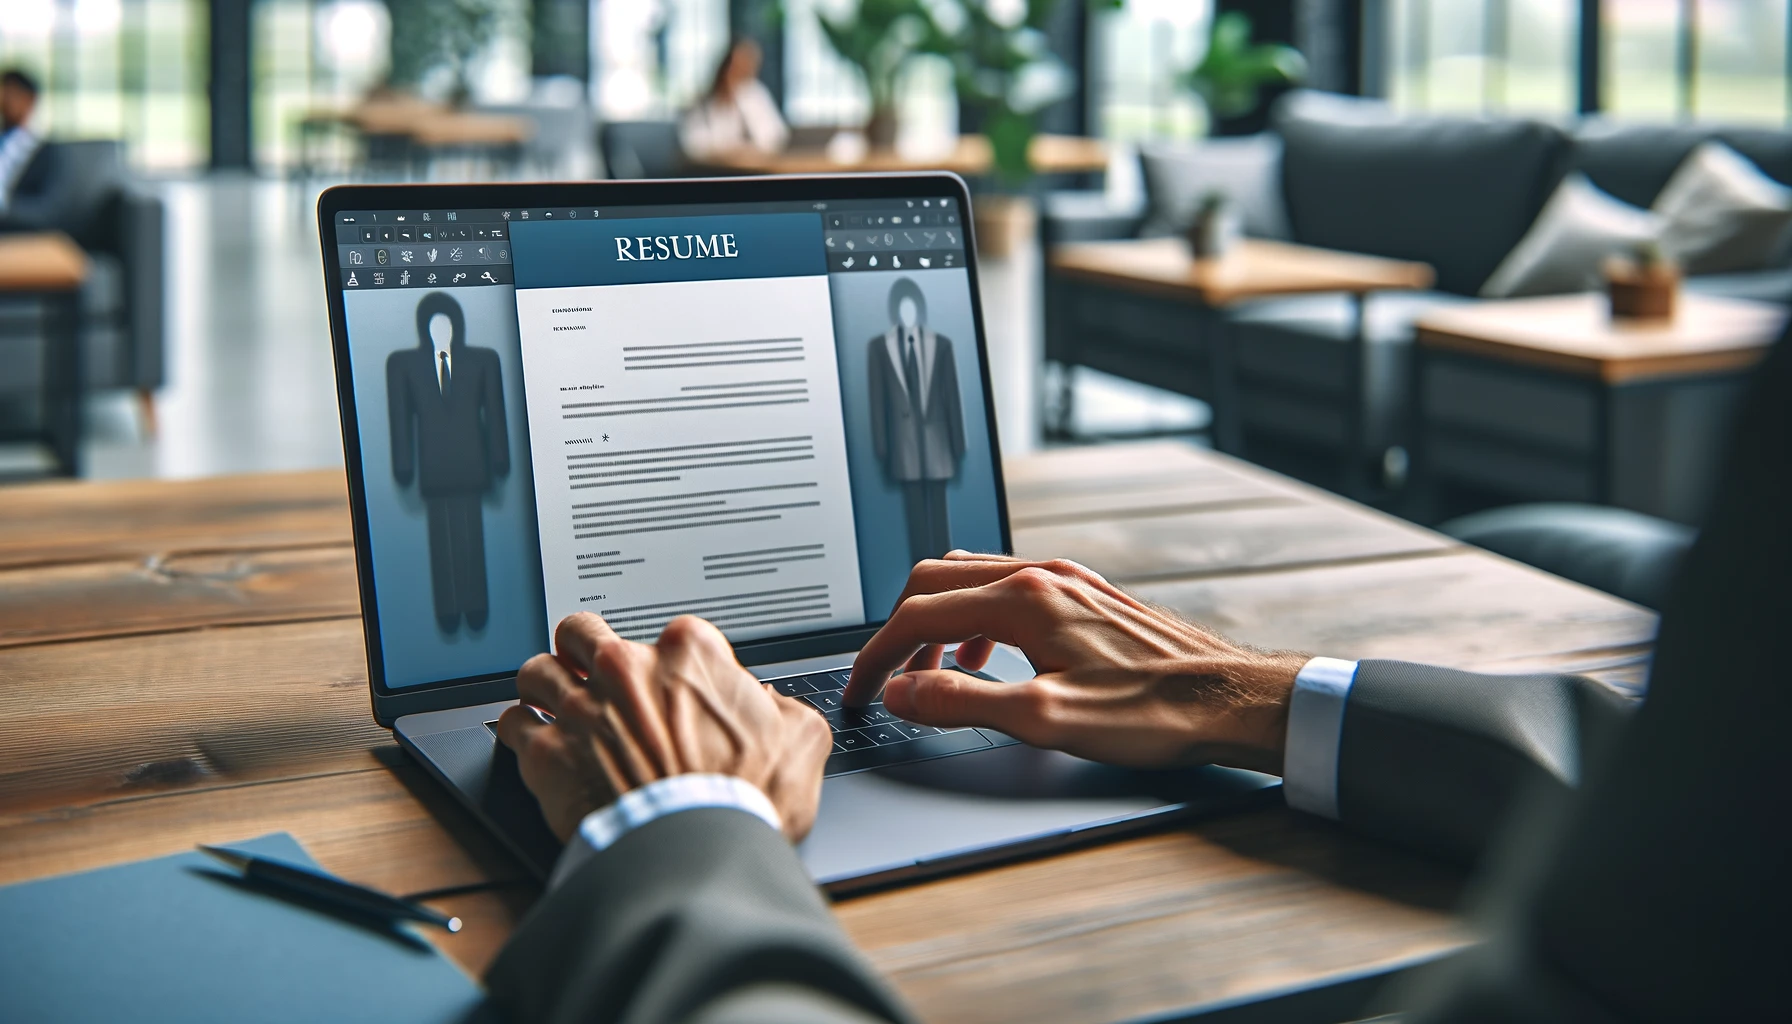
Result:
x=182 y=662
x=1551 y=399
x=971 y=157
x=51 y=268
x=1148 y=311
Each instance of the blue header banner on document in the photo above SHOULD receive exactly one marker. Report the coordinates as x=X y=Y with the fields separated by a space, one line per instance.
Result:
x=567 y=254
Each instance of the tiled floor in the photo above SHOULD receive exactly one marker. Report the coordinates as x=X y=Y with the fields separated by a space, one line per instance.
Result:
x=250 y=383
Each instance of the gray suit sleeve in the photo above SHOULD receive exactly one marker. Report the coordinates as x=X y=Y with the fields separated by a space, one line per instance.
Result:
x=703 y=916
x=1437 y=759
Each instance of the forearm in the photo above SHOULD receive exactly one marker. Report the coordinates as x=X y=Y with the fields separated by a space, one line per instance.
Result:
x=703 y=915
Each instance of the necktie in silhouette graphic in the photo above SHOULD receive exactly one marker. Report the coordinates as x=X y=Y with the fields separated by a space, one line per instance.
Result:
x=445 y=374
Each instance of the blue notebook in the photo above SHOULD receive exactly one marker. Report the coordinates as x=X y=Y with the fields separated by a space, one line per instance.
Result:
x=182 y=939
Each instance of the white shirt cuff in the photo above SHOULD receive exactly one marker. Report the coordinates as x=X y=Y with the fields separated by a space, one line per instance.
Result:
x=1315 y=730
x=602 y=828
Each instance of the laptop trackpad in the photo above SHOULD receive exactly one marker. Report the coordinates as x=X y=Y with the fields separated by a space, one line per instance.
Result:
x=918 y=818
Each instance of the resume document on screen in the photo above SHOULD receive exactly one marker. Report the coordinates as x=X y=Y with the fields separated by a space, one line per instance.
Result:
x=689 y=452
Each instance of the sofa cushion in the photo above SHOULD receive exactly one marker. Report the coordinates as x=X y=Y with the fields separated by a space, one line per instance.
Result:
x=1721 y=214
x=1247 y=170
x=1454 y=192
x=1566 y=249
x=1292 y=363
x=1635 y=161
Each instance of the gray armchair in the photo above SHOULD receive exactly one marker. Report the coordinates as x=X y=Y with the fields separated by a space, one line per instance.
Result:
x=80 y=189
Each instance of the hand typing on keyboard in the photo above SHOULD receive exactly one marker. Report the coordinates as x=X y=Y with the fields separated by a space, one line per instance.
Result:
x=627 y=714
x=1119 y=681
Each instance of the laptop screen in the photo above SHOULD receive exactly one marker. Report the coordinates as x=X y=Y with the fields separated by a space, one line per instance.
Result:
x=760 y=413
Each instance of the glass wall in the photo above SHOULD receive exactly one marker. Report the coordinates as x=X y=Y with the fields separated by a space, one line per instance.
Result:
x=125 y=69
x=1136 y=54
x=1469 y=56
x=1709 y=60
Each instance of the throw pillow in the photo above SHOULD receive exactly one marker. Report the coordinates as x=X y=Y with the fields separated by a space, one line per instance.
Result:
x=1567 y=245
x=1722 y=214
x=1246 y=170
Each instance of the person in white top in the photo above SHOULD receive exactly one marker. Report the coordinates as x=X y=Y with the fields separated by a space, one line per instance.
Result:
x=738 y=112
x=18 y=142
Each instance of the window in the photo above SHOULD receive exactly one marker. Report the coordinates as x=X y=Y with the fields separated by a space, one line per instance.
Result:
x=1136 y=55
x=126 y=69
x=1468 y=56
x=1707 y=60
x=656 y=56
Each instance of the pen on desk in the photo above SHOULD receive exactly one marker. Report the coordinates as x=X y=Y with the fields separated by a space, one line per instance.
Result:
x=329 y=889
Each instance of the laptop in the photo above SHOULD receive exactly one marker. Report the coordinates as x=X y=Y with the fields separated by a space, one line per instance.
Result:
x=757 y=400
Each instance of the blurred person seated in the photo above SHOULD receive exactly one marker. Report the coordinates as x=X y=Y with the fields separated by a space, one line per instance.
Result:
x=1632 y=861
x=19 y=140
x=738 y=112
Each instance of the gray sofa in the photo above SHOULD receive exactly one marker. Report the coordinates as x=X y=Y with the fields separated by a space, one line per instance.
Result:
x=1454 y=192
x=81 y=189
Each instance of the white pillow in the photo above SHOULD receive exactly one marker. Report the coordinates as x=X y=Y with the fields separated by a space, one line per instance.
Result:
x=1722 y=214
x=1247 y=170
x=1566 y=248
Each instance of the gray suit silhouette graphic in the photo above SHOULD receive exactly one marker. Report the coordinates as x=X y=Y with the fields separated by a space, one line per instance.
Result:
x=917 y=423
x=447 y=408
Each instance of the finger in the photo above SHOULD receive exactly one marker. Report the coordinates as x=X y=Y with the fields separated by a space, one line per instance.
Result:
x=929 y=619
x=960 y=570
x=546 y=683
x=953 y=700
x=926 y=659
x=974 y=653
x=578 y=637
x=961 y=555
x=518 y=724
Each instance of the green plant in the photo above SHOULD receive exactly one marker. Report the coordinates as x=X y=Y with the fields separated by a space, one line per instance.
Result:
x=431 y=34
x=1234 y=70
x=1005 y=69
x=878 y=38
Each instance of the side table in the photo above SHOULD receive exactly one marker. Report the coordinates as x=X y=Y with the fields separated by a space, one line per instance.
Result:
x=1550 y=399
x=50 y=268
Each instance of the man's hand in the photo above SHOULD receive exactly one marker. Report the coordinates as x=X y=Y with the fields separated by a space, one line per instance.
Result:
x=626 y=714
x=1119 y=681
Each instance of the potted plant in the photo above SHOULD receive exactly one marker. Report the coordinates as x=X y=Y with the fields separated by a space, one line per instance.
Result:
x=879 y=37
x=1232 y=73
x=433 y=36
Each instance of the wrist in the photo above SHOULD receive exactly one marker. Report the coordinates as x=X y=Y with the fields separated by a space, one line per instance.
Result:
x=1250 y=728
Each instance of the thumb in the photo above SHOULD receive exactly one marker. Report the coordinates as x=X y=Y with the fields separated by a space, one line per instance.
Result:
x=950 y=699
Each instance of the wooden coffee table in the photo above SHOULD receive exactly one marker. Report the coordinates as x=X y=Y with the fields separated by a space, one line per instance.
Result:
x=50 y=268
x=1551 y=399
x=1148 y=311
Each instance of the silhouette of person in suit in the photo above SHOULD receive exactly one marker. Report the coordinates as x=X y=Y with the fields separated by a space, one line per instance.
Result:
x=447 y=407
x=917 y=423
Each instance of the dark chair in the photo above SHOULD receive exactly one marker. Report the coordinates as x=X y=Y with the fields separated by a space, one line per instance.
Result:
x=1624 y=553
x=82 y=190
x=1454 y=192
x=642 y=149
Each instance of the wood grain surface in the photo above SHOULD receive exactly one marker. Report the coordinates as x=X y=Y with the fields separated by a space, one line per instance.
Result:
x=47 y=261
x=1254 y=268
x=1575 y=334
x=183 y=663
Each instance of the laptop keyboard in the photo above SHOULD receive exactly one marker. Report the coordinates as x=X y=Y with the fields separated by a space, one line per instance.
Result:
x=871 y=737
